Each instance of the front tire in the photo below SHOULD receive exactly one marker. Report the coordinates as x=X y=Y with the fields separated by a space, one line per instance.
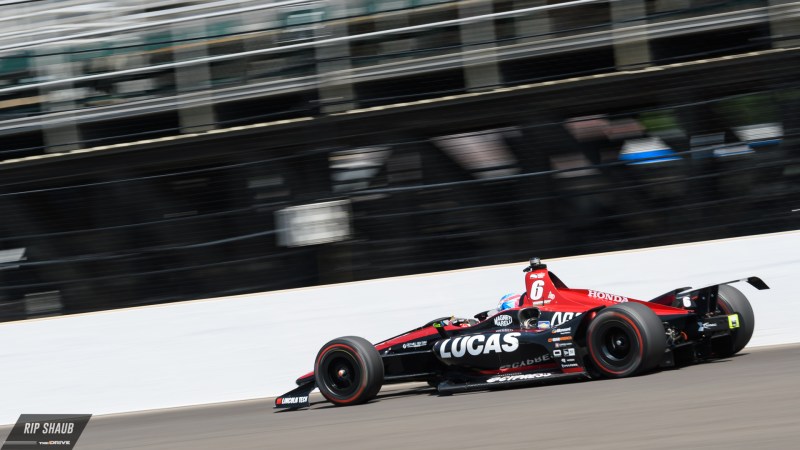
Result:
x=349 y=371
x=625 y=340
x=731 y=300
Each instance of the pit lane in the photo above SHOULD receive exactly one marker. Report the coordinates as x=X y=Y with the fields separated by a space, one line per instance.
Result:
x=749 y=401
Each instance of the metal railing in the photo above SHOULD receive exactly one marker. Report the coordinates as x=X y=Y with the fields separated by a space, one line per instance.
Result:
x=371 y=67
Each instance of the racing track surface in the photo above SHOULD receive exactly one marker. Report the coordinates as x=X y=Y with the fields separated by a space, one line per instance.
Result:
x=748 y=401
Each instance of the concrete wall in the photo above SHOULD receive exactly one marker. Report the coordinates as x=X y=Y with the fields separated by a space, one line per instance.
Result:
x=253 y=346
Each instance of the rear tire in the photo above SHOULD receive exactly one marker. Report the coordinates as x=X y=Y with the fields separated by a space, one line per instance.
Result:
x=731 y=300
x=349 y=371
x=625 y=340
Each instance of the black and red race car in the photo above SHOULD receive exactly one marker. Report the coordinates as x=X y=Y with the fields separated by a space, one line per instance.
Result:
x=553 y=333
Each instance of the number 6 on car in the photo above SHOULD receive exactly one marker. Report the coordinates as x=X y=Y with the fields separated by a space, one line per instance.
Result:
x=537 y=289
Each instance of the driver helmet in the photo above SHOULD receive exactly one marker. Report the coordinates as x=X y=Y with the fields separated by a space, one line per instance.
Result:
x=508 y=301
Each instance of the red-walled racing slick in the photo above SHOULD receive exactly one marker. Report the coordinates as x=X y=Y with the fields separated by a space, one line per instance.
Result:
x=552 y=333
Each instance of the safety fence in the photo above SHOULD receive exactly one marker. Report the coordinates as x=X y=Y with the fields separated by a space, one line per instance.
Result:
x=339 y=213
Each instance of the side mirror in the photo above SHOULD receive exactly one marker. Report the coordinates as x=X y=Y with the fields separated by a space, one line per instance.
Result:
x=529 y=317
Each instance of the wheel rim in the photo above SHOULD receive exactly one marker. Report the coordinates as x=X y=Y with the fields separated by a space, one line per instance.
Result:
x=341 y=373
x=617 y=345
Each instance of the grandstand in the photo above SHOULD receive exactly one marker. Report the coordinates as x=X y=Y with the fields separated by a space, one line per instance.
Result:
x=158 y=151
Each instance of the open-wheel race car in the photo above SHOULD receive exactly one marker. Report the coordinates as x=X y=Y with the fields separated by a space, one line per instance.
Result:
x=551 y=332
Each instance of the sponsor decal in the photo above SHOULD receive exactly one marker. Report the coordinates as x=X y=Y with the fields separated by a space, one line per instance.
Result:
x=733 y=321
x=567 y=366
x=550 y=295
x=527 y=376
x=707 y=326
x=53 y=430
x=569 y=352
x=479 y=344
x=557 y=353
x=536 y=275
x=562 y=330
x=503 y=320
x=559 y=339
x=528 y=362
x=607 y=297
x=417 y=344
x=291 y=400
x=543 y=324
x=561 y=317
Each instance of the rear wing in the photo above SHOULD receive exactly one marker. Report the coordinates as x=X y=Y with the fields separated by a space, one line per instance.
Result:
x=704 y=299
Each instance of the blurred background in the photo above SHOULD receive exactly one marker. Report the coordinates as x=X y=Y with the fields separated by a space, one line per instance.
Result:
x=159 y=151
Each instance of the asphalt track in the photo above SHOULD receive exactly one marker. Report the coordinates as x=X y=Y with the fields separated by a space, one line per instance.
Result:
x=749 y=401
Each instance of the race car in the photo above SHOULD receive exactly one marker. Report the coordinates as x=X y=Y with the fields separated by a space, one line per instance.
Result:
x=550 y=333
